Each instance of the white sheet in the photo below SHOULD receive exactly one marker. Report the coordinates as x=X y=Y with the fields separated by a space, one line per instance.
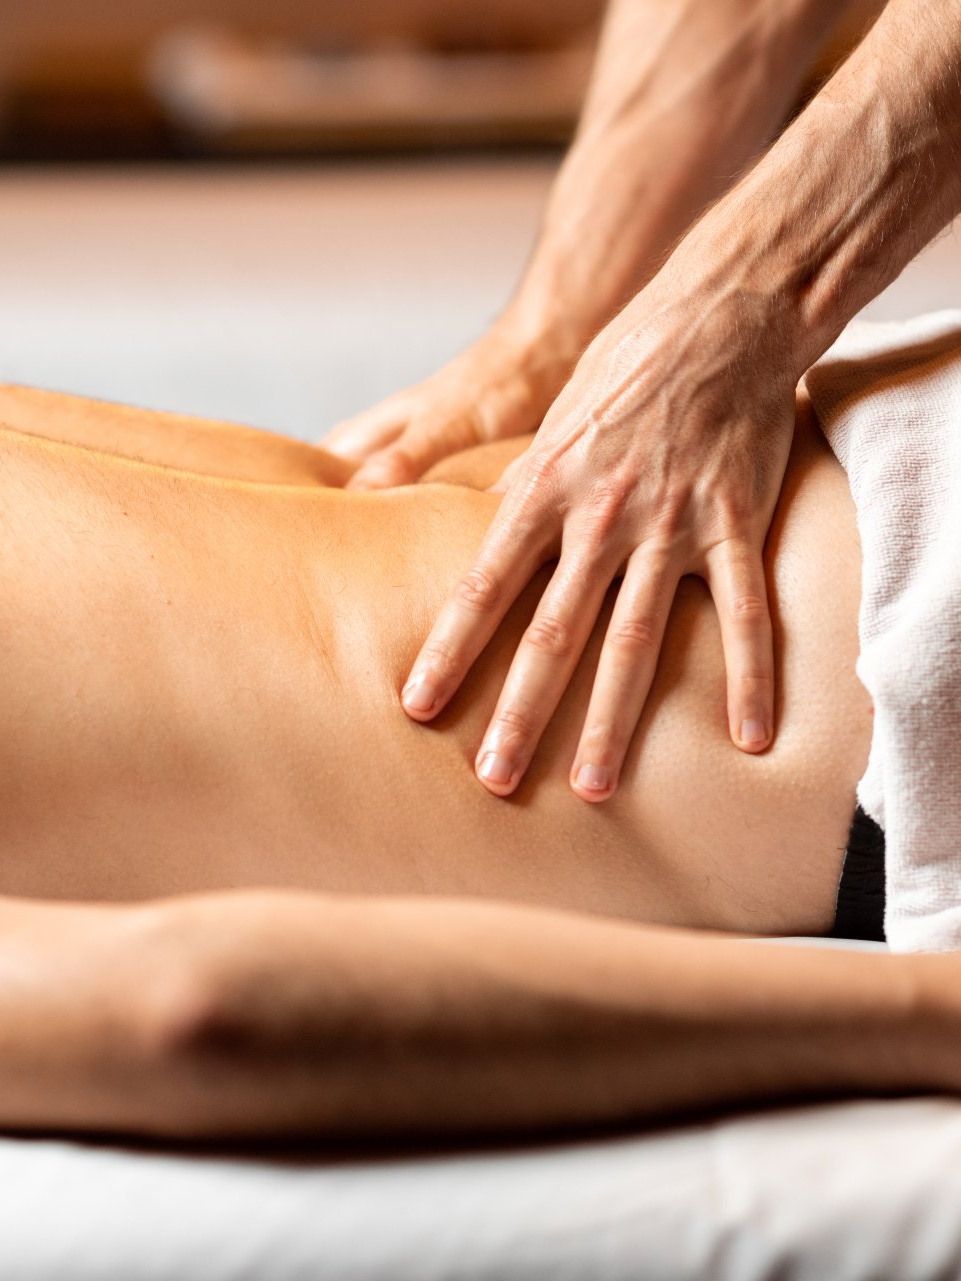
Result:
x=848 y=1192
x=888 y=398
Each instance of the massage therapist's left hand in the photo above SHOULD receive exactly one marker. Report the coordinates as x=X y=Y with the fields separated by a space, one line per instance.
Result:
x=663 y=456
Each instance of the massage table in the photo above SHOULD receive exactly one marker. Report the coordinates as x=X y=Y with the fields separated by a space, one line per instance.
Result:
x=862 y=1191
x=288 y=298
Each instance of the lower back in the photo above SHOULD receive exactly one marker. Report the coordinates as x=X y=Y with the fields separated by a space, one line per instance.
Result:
x=218 y=707
x=698 y=833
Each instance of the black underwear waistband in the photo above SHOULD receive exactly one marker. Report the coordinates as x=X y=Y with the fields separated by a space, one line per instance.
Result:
x=860 y=904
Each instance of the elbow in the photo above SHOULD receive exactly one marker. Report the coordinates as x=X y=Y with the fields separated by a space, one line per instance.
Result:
x=192 y=1058
x=174 y=999
x=177 y=1014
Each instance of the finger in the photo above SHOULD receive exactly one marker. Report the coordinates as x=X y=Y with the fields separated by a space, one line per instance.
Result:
x=384 y=470
x=735 y=575
x=624 y=672
x=517 y=543
x=542 y=668
x=422 y=444
x=356 y=438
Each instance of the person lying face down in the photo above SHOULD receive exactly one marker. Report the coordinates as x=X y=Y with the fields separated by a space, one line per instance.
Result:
x=186 y=654
x=235 y=904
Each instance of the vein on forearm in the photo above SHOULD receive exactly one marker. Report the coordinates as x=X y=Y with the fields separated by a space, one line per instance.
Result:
x=865 y=177
x=683 y=97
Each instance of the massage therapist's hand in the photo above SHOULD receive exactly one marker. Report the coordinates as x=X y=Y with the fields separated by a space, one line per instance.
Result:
x=499 y=387
x=663 y=456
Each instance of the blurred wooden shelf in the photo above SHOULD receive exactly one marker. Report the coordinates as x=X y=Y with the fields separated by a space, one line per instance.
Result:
x=229 y=95
x=207 y=93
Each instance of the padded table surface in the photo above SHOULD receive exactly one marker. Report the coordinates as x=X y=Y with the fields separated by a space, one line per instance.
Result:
x=846 y=1192
x=851 y=1191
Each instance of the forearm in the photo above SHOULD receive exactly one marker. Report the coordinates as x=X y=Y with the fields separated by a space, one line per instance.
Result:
x=269 y=1013
x=681 y=99
x=865 y=177
x=423 y=1016
x=80 y=1006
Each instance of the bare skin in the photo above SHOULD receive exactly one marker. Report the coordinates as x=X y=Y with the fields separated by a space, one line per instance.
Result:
x=322 y=941
x=663 y=430
x=223 y=701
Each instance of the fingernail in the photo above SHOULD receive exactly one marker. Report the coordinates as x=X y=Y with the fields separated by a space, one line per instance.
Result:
x=593 y=778
x=495 y=768
x=753 y=732
x=419 y=695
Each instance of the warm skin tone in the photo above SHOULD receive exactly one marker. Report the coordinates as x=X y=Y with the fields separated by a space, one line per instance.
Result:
x=194 y=697
x=665 y=449
x=322 y=940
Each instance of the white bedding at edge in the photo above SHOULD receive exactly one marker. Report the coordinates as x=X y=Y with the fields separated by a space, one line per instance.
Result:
x=842 y=1192
x=888 y=398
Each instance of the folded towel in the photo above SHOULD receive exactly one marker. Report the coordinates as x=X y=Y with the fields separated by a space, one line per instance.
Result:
x=888 y=398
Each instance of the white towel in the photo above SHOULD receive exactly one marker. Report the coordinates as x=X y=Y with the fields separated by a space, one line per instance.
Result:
x=888 y=398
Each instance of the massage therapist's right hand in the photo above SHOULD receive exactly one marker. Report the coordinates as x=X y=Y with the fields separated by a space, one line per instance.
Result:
x=499 y=387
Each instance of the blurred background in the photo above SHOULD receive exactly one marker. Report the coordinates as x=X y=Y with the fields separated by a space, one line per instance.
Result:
x=137 y=79
x=280 y=212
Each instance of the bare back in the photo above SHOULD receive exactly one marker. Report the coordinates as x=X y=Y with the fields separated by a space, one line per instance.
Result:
x=200 y=690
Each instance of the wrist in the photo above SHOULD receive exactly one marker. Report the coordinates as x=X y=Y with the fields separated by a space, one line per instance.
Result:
x=841 y=203
x=934 y=1038
x=702 y=304
x=544 y=307
x=742 y=260
x=545 y=341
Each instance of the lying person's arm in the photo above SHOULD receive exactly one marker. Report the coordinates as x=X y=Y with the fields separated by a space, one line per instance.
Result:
x=266 y=1013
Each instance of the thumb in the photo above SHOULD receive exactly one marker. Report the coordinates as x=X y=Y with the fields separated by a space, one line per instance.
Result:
x=383 y=470
x=417 y=449
x=358 y=438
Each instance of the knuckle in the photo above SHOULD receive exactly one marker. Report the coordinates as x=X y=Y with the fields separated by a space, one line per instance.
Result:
x=541 y=467
x=633 y=635
x=481 y=422
x=541 y=496
x=748 y=607
x=674 y=507
x=600 y=741
x=656 y=555
x=607 y=509
x=550 y=634
x=537 y=481
x=440 y=658
x=671 y=514
x=729 y=512
x=397 y=463
x=478 y=589
x=514 y=723
x=754 y=681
